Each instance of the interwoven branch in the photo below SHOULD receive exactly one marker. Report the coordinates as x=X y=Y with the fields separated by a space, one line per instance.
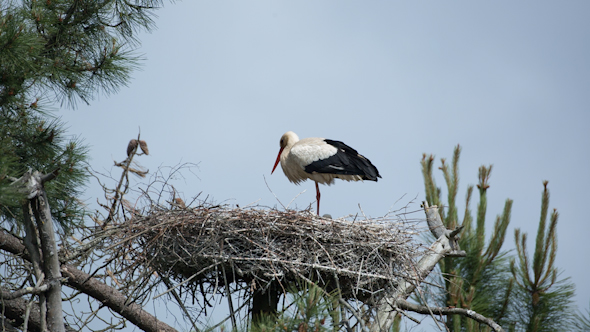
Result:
x=258 y=246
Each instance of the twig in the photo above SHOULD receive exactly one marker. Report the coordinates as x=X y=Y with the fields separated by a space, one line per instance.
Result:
x=27 y=290
x=179 y=302
x=294 y=198
x=267 y=186
x=186 y=280
x=229 y=301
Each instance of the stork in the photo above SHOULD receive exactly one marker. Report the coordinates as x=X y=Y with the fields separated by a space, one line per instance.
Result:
x=322 y=160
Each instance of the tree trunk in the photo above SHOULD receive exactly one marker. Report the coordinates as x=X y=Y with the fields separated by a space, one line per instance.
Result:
x=37 y=202
x=446 y=245
x=55 y=321
x=31 y=241
x=265 y=302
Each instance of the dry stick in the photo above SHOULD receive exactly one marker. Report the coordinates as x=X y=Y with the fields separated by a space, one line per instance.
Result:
x=179 y=301
x=27 y=315
x=187 y=280
x=124 y=176
x=267 y=186
x=356 y=314
x=362 y=212
x=136 y=235
x=212 y=328
x=216 y=281
x=276 y=274
x=89 y=245
x=229 y=301
x=312 y=265
x=294 y=198
x=410 y=317
x=250 y=204
x=358 y=279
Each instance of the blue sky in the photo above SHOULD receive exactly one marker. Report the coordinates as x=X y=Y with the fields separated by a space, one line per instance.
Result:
x=223 y=80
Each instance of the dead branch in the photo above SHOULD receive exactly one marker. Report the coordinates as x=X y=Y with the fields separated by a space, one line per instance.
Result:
x=405 y=305
x=113 y=299
x=24 y=291
x=445 y=245
x=42 y=239
x=84 y=283
x=15 y=309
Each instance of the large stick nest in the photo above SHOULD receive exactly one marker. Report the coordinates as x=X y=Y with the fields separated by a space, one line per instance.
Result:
x=256 y=246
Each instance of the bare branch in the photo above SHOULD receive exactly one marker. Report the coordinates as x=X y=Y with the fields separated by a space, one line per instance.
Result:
x=403 y=304
x=82 y=281
x=24 y=291
x=446 y=245
x=15 y=309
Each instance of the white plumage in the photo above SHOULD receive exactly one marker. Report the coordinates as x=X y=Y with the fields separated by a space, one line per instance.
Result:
x=322 y=160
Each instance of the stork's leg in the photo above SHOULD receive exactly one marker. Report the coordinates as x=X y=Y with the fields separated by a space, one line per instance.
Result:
x=317 y=196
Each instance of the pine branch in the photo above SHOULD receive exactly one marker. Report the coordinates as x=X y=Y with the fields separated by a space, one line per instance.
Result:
x=541 y=300
x=551 y=248
x=484 y=176
x=467 y=219
x=497 y=239
x=540 y=255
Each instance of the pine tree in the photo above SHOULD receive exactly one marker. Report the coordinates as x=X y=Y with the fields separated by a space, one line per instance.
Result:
x=58 y=51
x=582 y=321
x=480 y=281
x=54 y=53
x=541 y=301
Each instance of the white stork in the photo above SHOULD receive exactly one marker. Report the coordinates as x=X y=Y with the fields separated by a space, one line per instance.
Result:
x=322 y=160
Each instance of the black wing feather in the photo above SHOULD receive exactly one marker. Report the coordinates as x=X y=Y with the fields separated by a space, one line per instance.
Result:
x=346 y=161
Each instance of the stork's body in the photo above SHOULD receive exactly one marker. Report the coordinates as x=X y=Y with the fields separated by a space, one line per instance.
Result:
x=322 y=160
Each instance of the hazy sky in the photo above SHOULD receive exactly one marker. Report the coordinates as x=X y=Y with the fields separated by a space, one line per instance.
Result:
x=508 y=81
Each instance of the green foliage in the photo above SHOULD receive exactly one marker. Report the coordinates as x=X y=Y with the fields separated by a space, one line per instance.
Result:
x=58 y=51
x=312 y=310
x=480 y=281
x=29 y=141
x=541 y=302
x=581 y=322
x=68 y=49
x=521 y=296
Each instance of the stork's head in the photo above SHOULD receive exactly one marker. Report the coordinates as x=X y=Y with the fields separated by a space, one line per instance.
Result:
x=287 y=140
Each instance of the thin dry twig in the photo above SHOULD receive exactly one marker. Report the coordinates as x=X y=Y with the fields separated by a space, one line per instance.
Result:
x=265 y=246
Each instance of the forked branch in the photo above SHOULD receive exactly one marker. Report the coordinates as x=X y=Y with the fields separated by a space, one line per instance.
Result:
x=445 y=245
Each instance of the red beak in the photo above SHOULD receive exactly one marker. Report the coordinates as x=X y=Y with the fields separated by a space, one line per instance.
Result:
x=278 y=159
